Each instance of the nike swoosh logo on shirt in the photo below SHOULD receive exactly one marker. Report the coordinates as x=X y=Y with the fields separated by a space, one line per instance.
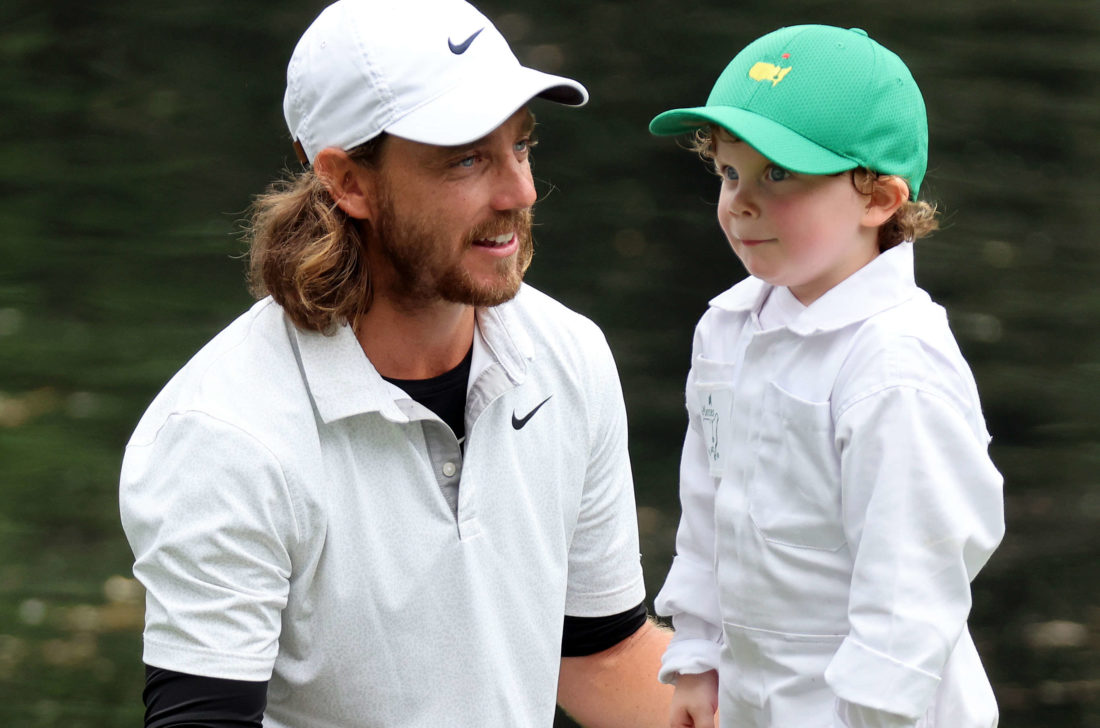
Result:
x=519 y=422
x=459 y=49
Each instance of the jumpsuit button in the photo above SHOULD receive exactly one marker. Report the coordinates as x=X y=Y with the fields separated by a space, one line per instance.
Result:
x=449 y=469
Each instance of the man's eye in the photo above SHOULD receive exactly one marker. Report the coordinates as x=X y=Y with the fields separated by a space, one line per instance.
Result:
x=467 y=161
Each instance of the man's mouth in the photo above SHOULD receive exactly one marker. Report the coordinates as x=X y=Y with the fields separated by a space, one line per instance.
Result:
x=496 y=241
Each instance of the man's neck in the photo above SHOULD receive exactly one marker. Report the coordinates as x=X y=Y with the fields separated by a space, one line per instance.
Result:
x=415 y=344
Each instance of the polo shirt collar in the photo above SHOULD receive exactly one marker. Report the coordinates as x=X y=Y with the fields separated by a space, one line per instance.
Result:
x=885 y=282
x=506 y=338
x=344 y=382
x=341 y=378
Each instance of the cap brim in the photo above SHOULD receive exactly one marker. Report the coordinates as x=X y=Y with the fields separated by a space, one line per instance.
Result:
x=782 y=146
x=472 y=110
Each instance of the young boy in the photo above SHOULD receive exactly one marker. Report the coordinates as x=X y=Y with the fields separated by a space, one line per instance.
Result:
x=837 y=495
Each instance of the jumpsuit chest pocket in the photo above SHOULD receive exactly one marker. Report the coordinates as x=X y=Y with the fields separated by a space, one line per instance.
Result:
x=794 y=491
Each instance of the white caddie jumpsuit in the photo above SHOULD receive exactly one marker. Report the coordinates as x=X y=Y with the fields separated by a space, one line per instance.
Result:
x=837 y=501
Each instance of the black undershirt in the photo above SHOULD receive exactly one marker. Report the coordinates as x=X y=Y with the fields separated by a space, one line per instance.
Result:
x=583 y=636
x=444 y=395
x=181 y=700
x=178 y=699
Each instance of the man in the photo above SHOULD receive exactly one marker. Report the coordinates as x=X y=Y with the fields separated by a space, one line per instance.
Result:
x=395 y=492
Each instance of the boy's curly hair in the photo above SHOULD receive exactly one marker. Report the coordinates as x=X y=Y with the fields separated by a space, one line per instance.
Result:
x=913 y=220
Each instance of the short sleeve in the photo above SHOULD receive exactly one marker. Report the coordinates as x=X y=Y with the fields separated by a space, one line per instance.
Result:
x=207 y=512
x=605 y=573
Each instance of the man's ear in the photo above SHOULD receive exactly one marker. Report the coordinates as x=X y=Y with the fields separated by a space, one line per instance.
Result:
x=888 y=194
x=351 y=185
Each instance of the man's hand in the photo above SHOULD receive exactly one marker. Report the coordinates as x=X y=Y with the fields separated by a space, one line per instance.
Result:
x=695 y=701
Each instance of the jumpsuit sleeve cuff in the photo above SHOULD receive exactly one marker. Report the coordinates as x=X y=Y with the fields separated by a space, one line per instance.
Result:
x=689 y=657
x=689 y=588
x=869 y=679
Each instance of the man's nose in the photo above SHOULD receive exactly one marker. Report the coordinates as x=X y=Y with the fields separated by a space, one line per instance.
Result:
x=515 y=188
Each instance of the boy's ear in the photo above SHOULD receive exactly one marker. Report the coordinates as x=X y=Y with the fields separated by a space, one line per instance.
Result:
x=351 y=185
x=888 y=194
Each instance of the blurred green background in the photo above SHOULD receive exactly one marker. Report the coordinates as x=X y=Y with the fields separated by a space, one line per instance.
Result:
x=133 y=135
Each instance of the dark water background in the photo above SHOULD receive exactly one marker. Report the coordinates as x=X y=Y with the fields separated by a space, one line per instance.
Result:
x=132 y=135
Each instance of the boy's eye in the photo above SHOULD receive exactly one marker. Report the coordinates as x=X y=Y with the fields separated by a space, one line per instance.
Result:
x=728 y=172
x=778 y=174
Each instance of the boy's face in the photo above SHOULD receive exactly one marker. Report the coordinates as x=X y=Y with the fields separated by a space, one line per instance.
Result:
x=805 y=232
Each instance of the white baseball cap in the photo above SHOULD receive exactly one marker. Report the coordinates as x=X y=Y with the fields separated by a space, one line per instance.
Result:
x=431 y=71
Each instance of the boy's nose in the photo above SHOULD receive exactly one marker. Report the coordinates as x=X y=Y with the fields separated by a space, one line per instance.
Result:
x=742 y=201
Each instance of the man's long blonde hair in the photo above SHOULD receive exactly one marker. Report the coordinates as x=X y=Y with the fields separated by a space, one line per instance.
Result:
x=307 y=253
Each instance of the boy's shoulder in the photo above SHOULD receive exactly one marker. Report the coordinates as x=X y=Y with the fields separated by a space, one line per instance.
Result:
x=918 y=316
x=908 y=345
x=917 y=321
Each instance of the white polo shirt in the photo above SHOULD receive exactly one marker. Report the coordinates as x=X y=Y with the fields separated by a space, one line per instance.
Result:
x=286 y=508
x=837 y=500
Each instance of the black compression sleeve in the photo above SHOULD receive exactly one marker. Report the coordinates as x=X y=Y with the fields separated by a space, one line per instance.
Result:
x=588 y=635
x=178 y=700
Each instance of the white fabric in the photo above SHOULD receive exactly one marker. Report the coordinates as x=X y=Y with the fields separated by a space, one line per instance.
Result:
x=837 y=501
x=286 y=511
x=780 y=308
x=433 y=71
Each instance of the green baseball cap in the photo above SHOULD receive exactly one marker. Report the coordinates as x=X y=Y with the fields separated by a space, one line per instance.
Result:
x=818 y=100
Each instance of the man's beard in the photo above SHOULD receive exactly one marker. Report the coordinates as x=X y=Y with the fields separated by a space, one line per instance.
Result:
x=428 y=269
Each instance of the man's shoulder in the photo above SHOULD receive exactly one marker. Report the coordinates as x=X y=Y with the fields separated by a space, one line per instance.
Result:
x=537 y=302
x=544 y=316
x=536 y=330
x=243 y=376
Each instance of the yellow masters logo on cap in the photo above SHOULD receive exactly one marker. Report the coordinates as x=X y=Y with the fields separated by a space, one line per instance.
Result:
x=768 y=72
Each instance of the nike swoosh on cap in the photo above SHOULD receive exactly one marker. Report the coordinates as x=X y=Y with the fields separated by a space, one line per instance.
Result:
x=459 y=49
x=519 y=422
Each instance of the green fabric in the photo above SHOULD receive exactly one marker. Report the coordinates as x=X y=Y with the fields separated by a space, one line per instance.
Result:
x=818 y=100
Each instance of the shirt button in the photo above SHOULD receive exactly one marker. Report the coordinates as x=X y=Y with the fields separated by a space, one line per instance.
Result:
x=449 y=469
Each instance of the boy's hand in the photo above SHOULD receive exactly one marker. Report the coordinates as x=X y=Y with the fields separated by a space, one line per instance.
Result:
x=695 y=701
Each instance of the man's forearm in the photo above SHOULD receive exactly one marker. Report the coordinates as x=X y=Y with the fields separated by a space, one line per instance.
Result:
x=618 y=687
